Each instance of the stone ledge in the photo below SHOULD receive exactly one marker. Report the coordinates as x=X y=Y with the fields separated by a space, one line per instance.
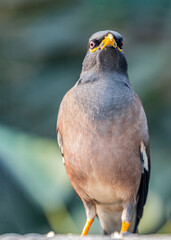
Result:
x=51 y=236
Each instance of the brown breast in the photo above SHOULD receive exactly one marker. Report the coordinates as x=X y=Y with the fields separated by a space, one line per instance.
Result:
x=102 y=157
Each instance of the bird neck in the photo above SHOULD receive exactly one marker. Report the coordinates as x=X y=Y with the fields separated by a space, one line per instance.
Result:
x=105 y=62
x=113 y=76
x=113 y=62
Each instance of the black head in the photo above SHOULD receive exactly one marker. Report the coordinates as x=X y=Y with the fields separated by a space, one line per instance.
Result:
x=105 y=53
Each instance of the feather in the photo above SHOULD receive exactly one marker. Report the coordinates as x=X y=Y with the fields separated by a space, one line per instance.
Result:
x=143 y=188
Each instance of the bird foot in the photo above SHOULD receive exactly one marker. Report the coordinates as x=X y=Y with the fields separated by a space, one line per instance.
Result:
x=116 y=235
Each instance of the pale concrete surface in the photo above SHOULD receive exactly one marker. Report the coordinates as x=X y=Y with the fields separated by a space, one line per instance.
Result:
x=33 y=236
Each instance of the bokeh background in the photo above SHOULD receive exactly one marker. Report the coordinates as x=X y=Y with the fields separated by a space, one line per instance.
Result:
x=42 y=45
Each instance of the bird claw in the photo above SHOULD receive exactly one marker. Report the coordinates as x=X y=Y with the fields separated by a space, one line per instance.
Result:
x=118 y=235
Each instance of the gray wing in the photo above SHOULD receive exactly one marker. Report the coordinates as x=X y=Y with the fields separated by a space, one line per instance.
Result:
x=144 y=184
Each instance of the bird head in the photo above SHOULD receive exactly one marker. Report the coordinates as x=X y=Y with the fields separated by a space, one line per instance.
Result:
x=105 y=52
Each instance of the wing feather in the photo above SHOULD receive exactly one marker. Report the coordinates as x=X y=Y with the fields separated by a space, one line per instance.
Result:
x=143 y=188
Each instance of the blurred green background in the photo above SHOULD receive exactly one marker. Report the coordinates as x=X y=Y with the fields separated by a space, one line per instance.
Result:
x=42 y=45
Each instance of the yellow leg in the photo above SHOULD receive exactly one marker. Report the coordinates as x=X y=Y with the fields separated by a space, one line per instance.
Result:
x=125 y=226
x=87 y=226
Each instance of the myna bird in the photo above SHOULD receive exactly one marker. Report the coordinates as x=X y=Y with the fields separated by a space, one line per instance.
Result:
x=103 y=137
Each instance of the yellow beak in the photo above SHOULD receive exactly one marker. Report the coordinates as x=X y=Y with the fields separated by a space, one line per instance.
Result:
x=108 y=40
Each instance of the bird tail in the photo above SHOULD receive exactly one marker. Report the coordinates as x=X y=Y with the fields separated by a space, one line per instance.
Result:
x=109 y=217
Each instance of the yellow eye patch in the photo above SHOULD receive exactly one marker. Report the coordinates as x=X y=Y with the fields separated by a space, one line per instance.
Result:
x=94 y=49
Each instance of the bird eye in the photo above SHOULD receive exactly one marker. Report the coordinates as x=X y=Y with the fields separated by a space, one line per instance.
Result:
x=92 y=44
x=120 y=45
